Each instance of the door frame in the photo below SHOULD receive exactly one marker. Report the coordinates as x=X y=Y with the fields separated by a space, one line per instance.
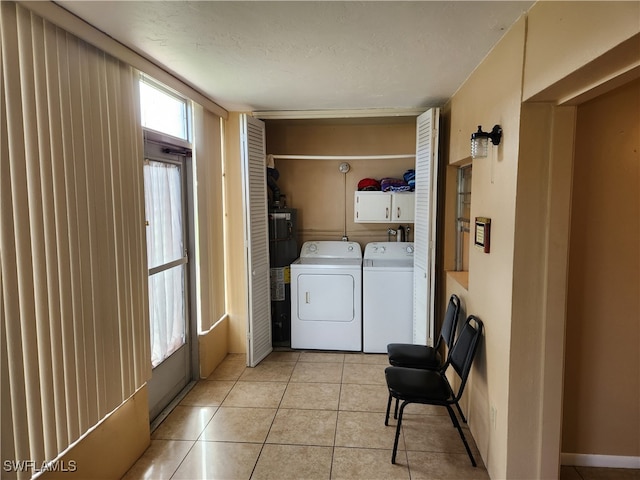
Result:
x=180 y=147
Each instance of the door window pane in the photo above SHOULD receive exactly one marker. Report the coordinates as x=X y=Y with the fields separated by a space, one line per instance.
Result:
x=463 y=218
x=163 y=204
x=166 y=257
x=167 y=312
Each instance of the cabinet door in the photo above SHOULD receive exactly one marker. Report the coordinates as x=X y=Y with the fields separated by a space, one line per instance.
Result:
x=403 y=207
x=374 y=207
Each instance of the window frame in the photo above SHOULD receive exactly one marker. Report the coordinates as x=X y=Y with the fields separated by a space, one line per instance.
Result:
x=169 y=92
x=463 y=223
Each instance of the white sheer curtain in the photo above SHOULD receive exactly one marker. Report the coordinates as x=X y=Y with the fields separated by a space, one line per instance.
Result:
x=73 y=297
x=165 y=246
x=163 y=205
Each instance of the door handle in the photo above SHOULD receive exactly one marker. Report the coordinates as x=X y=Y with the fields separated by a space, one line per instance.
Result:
x=398 y=212
x=386 y=212
x=307 y=297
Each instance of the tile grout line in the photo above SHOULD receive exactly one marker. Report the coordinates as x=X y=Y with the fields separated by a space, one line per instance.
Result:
x=280 y=407
x=335 y=433
x=182 y=461
x=273 y=420
x=197 y=440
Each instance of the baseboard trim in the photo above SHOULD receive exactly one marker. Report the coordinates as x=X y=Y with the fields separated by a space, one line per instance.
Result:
x=607 y=461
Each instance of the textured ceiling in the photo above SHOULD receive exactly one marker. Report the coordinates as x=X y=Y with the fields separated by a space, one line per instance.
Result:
x=308 y=55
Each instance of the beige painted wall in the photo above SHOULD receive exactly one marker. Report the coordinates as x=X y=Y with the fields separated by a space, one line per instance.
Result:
x=108 y=451
x=323 y=196
x=213 y=346
x=570 y=43
x=518 y=289
x=493 y=195
x=235 y=267
x=546 y=142
x=603 y=333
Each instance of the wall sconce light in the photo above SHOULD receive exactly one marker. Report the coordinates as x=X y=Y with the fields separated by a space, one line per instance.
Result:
x=480 y=141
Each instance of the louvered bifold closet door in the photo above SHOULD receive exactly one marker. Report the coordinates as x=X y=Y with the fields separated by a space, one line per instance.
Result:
x=73 y=302
x=424 y=233
x=256 y=238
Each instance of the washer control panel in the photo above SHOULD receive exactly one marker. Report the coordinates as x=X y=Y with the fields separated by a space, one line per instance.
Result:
x=388 y=250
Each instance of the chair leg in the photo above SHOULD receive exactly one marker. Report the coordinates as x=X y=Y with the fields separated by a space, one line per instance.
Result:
x=395 y=442
x=386 y=418
x=395 y=411
x=456 y=424
x=460 y=412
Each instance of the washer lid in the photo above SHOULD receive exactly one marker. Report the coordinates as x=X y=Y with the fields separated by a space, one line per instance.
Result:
x=391 y=264
x=329 y=262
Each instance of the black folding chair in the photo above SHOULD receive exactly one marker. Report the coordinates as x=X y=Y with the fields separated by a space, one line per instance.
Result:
x=431 y=387
x=425 y=357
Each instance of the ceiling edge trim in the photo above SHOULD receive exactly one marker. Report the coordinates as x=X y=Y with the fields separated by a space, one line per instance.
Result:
x=314 y=114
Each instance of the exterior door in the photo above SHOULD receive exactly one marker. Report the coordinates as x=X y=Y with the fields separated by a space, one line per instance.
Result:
x=254 y=167
x=165 y=209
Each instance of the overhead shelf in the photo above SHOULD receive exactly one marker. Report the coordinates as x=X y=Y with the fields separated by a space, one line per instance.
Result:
x=342 y=157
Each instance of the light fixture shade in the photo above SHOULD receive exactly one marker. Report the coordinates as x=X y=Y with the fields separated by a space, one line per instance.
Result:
x=479 y=143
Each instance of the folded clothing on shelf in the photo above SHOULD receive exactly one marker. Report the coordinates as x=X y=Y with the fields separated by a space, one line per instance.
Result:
x=369 y=184
x=410 y=177
x=394 y=185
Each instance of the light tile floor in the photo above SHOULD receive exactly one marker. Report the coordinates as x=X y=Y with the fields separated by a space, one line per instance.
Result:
x=598 y=473
x=308 y=415
x=301 y=415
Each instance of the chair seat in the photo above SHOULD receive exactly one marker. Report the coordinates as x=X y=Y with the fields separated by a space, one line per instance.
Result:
x=413 y=356
x=417 y=385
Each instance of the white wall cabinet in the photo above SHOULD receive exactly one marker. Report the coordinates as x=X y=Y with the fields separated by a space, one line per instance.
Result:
x=403 y=207
x=384 y=207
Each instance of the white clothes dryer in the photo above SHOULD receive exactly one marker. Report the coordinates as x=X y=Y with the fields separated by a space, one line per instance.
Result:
x=387 y=297
x=326 y=296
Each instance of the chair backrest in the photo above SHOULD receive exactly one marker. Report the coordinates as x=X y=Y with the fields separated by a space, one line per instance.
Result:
x=448 y=330
x=464 y=350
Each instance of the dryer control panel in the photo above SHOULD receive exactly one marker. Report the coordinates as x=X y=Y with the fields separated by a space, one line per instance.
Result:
x=331 y=249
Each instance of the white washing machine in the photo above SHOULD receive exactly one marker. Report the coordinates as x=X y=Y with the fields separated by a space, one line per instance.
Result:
x=387 y=295
x=326 y=296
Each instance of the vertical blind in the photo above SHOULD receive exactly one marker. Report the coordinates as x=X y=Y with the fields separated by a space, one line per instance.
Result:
x=210 y=283
x=73 y=283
